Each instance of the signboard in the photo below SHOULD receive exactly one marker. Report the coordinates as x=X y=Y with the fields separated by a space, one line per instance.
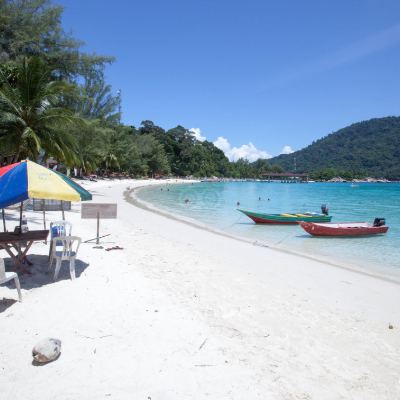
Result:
x=51 y=205
x=99 y=210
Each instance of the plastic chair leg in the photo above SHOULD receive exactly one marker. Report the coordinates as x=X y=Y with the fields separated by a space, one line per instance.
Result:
x=58 y=267
x=16 y=280
x=72 y=268
x=51 y=256
x=51 y=248
x=50 y=262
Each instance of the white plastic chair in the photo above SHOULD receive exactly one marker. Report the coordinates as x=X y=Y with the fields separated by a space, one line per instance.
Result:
x=7 y=276
x=70 y=250
x=64 y=228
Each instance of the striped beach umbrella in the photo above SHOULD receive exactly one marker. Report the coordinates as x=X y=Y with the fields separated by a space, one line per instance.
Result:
x=28 y=180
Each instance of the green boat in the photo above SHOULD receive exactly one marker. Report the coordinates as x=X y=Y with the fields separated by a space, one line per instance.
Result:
x=288 y=219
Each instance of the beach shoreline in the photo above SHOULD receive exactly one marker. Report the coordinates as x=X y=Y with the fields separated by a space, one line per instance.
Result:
x=136 y=201
x=183 y=313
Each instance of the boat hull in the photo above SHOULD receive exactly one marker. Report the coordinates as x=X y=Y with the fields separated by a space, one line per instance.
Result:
x=343 y=229
x=283 y=220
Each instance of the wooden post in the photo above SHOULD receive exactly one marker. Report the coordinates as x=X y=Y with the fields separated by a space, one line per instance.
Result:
x=62 y=208
x=98 y=227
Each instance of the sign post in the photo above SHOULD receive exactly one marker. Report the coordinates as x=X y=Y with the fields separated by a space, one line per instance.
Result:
x=98 y=227
x=97 y=211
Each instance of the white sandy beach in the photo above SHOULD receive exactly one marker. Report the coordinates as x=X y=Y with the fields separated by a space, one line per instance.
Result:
x=183 y=313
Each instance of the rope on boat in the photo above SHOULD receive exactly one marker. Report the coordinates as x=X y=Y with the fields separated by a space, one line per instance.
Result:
x=233 y=223
x=226 y=227
x=272 y=245
x=283 y=239
x=255 y=243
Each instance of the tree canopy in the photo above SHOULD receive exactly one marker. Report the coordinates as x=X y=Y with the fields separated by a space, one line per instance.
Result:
x=30 y=119
x=367 y=148
x=54 y=98
x=33 y=28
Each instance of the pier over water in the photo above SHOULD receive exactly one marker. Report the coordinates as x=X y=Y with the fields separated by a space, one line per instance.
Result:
x=286 y=177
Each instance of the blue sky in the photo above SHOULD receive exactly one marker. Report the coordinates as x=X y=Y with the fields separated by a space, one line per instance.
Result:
x=252 y=76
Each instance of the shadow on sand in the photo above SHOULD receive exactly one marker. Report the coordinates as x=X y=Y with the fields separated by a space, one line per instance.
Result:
x=40 y=275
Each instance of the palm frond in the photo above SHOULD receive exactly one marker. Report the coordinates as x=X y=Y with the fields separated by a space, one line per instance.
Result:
x=29 y=117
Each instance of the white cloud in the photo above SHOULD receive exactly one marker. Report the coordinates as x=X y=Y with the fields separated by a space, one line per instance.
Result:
x=196 y=133
x=245 y=151
x=222 y=144
x=287 y=150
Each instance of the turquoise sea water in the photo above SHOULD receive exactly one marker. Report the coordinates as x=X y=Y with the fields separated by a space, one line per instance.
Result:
x=215 y=206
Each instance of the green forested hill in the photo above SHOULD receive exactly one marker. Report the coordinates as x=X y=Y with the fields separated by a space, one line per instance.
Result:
x=371 y=147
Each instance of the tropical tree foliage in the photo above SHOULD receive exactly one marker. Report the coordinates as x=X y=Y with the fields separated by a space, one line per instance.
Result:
x=33 y=28
x=29 y=117
x=48 y=86
x=367 y=148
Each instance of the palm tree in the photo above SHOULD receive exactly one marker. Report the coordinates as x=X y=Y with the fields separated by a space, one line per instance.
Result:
x=110 y=160
x=88 y=158
x=29 y=117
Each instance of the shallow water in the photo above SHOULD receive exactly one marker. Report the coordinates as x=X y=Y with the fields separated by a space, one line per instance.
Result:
x=215 y=206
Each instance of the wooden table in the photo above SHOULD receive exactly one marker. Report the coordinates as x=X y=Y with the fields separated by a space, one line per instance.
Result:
x=9 y=240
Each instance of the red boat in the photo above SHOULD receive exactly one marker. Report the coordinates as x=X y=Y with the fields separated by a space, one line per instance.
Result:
x=345 y=228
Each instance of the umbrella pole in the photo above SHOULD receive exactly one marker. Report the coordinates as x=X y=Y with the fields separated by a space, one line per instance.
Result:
x=20 y=217
x=62 y=207
x=44 y=219
x=20 y=228
x=4 y=220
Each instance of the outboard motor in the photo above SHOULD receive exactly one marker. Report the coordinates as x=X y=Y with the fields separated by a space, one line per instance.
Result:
x=379 y=221
x=324 y=209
